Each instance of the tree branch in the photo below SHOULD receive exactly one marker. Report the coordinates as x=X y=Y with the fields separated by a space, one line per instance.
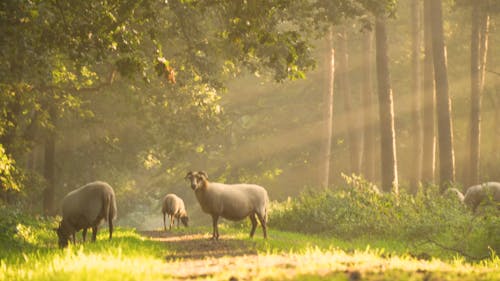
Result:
x=494 y=72
x=444 y=247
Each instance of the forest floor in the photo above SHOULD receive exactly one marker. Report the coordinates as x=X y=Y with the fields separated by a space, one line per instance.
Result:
x=235 y=257
x=189 y=254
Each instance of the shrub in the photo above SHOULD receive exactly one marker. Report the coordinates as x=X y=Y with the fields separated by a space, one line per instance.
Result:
x=21 y=231
x=426 y=218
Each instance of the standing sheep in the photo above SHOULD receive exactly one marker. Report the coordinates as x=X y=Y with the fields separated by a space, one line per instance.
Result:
x=233 y=202
x=481 y=192
x=87 y=206
x=174 y=207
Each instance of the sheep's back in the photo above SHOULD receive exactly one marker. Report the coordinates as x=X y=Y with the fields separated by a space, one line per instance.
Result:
x=87 y=202
x=172 y=204
x=237 y=201
x=475 y=194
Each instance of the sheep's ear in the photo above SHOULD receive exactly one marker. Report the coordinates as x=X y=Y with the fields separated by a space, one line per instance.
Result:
x=188 y=175
x=204 y=174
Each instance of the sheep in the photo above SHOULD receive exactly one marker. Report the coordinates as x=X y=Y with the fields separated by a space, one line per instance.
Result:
x=455 y=193
x=86 y=207
x=174 y=207
x=481 y=192
x=230 y=201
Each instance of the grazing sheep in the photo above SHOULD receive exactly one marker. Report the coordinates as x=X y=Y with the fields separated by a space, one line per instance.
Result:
x=479 y=193
x=456 y=193
x=87 y=206
x=233 y=202
x=174 y=207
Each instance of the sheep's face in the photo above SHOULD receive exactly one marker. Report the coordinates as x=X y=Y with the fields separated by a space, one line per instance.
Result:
x=185 y=220
x=196 y=179
x=63 y=236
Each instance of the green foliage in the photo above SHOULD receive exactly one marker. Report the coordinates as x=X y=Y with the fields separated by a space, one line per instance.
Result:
x=7 y=172
x=22 y=232
x=421 y=220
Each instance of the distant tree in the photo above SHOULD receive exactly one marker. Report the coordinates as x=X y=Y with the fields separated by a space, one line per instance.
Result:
x=344 y=89
x=369 y=113
x=386 y=110
x=479 y=47
x=329 y=98
x=429 y=96
x=416 y=172
x=443 y=103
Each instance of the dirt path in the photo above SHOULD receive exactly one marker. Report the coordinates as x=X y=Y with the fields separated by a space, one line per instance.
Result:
x=194 y=256
x=199 y=246
x=197 y=257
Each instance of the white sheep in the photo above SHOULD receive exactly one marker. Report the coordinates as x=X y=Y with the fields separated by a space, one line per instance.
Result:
x=87 y=206
x=230 y=201
x=481 y=192
x=174 y=207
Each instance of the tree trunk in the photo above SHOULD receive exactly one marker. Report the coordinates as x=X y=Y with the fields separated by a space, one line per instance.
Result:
x=475 y=83
x=368 y=110
x=330 y=71
x=417 y=158
x=386 y=111
x=49 y=167
x=483 y=46
x=479 y=45
x=443 y=103
x=345 y=90
x=429 y=142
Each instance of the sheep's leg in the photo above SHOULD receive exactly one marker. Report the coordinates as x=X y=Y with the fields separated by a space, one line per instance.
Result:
x=171 y=221
x=110 y=223
x=178 y=218
x=263 y=223
x=215 y=235
x=94 y=233
x=164 y=222
x=84 y=234
x=254 y=224
x=73 y=238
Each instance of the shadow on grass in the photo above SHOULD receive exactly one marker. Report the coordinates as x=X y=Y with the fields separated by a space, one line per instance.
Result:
x=198 y=246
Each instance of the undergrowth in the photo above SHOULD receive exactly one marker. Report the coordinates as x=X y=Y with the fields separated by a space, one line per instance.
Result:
x=426 y=221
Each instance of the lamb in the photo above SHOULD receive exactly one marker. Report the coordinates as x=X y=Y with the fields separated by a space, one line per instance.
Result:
x=174 y=207
x=481 y=192
x=87 y=206
x=230 y=201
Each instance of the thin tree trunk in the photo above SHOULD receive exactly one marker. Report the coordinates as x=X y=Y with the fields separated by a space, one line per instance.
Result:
x=328 y=110
x=417 y=158
x=475 y=130
x=443 y=103
x=49 y=167
x=483 y=44
x=479 y=45
x=345 y=90
x=368 y=106
x=428 y=110
x=386 y=111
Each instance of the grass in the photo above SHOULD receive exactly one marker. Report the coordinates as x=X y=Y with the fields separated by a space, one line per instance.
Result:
x=285 y=256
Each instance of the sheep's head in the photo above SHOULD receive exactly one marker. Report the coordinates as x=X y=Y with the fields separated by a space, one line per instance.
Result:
x=63 y=235
x=185 y=220
x=196 y=179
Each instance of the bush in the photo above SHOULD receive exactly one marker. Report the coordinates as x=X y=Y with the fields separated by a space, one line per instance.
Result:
x=19 y=231
x=426 y=218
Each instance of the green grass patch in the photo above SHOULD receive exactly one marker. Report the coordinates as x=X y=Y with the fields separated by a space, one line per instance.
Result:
x=284 y=256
